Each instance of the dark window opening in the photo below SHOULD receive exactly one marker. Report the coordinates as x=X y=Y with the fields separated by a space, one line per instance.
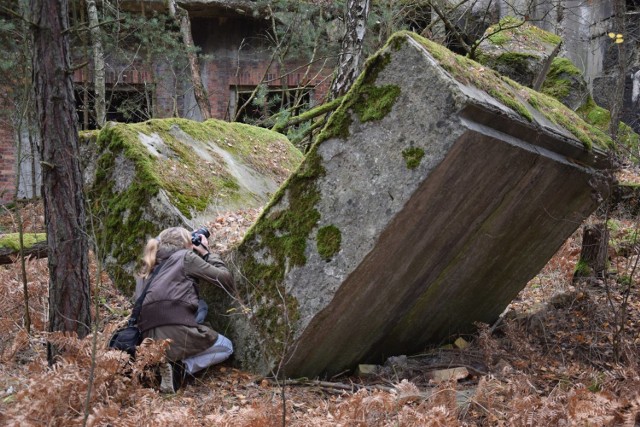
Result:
x=269 y=101
x=418 y=18
x=126 y=104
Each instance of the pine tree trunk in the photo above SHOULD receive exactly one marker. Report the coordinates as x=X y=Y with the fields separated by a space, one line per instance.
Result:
x=351 y=50
x=100 y=100
x=593 y=257
x=69 y=305
x=182 y=18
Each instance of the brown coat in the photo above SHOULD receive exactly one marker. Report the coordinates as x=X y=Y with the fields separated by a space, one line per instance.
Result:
x=169 y=308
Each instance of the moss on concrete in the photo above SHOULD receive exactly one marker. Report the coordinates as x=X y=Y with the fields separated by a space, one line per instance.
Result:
x=559 y=78
x=516 y=61
x=600 y=118
x=559 y=114
x=285 y=231
x=12 y=241
x=513 y=95
x=121 y=230
x=376 y=102
x=365 y=98
x=328 y=241
x=413 y=156
x=510 y=28
x=595 y=115
x=499 y=38
x=281 y=235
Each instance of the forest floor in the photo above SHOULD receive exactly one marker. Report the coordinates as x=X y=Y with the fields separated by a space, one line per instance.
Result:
x=563 y=353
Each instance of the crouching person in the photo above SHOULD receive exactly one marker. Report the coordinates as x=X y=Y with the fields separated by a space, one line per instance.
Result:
x=171 y=271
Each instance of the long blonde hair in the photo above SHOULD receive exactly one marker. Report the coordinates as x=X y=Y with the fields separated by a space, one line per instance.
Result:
x=173 y=238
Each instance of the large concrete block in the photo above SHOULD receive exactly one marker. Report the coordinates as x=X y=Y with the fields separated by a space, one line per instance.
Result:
x=519 y=50
x=436 y=191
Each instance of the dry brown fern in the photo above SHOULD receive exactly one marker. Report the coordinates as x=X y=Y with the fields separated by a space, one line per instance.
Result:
x=56 y=395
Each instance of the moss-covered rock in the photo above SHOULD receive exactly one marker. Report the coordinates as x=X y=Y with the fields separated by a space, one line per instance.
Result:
x=143 y=177
x=565 y=82
x=413 y=156
x=628 y=141
x=518 y=50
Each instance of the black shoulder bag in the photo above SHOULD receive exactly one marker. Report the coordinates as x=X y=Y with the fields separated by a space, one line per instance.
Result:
x=130 y=337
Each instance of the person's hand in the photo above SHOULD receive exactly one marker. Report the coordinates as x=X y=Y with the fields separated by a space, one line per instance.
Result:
x=203 y=247
x=204 y=243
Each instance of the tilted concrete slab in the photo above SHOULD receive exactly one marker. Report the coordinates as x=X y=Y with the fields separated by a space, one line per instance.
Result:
x=425 y=206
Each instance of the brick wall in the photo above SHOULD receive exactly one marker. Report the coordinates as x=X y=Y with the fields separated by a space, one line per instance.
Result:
x=7 y=160
x=221 y=79
x=230 y=67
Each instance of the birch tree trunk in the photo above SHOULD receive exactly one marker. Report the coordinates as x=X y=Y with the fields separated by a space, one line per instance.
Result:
x=64 y=208
x=182 y=18
x=98 y=63
x=351 y=50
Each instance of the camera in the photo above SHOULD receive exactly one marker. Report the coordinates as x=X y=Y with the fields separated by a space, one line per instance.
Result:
x=196 y=236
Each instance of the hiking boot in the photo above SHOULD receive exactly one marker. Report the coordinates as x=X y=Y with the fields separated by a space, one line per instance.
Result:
x=181 y=377
x=167 y=376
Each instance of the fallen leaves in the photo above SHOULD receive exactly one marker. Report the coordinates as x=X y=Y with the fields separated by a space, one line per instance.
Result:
x=553 y=362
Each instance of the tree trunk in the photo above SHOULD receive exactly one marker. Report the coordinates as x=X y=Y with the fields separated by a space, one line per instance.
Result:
x=351 y=50
x=593 y=257
x=182 y=18
x=617 y=100
x=100 y=100
x=64 y=208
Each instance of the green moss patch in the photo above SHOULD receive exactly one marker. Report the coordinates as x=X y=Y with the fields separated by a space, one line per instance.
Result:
x=12 y=241
x=559 y=78
x=413 y=156
x=118 y=217
x=328 y=241
x=582 y=269
x=630 y=140
x=376 y=102
x=559 y=114
x=368 y=101
x=624 y=238
x=595 y=115
x=600 y=118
